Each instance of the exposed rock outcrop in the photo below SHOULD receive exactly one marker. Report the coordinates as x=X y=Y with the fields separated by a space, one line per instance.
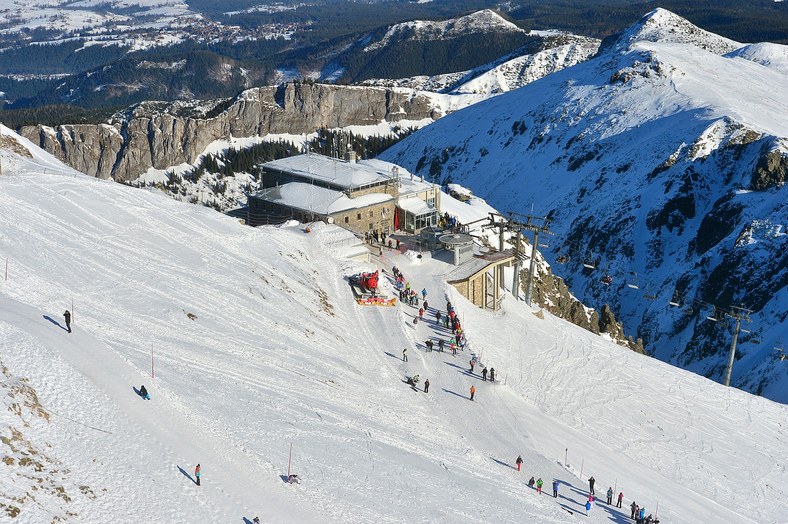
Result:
x=163 y=135
x=552 y=294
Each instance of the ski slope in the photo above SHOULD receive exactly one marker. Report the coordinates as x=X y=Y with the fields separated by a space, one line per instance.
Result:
x=258 y=345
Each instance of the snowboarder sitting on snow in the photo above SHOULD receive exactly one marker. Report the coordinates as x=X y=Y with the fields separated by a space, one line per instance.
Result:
x=293 y=479
x=412 y=381
x=144 y=393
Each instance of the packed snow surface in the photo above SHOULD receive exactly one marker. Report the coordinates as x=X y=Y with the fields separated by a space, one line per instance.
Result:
x=257 y=345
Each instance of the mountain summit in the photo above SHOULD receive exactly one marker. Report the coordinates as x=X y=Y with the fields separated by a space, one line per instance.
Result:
x=659 y=166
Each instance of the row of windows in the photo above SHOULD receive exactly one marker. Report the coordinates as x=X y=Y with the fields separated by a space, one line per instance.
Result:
x=369 y=214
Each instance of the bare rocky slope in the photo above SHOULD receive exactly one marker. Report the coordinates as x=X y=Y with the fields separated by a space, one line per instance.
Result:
x=162 y=135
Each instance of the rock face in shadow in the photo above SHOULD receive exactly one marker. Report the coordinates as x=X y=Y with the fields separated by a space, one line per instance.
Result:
x=161 y=135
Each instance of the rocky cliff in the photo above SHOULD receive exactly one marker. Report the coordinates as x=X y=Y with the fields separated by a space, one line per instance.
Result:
x=162 y=135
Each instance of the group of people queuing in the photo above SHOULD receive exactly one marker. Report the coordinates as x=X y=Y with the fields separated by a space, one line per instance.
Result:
x=380 y=237
x=447 y=221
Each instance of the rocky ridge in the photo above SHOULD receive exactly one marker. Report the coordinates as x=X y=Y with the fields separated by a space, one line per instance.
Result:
x=162 y=135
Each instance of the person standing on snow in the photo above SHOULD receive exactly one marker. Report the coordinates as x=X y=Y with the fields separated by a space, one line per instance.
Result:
x=197 y=474
x=405 y=355
x=620 y=499
x=67 y=316
x=531 y=482
x=473 y=392
x=472 y=365
x=421 y=313
x=591 y=485
x=440 y=345
x=424 y=294
x=519 y=460
x=555 y=489
x=484 y=374
x=539 y=484
x=437 y=317
x=589 y=504
x=609 y=495
x=427 y=386
x=634 y=508
x=492 y=374
x=426 y=305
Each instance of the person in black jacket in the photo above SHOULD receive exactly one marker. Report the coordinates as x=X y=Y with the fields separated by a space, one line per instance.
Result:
x=144 y=393
x=67 y=316
x=591 y=485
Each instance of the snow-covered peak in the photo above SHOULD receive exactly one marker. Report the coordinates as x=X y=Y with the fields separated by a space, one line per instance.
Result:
x=480 y=21
x=661 y=25
x=767 y=54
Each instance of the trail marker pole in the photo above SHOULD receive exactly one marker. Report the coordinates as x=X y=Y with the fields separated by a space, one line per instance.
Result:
x=615 y=487
x=289 y=460
x=6 y=269
x=72 y=310
x=566 y=457
x=152 y=374
x=656 y=511
x=582 y=463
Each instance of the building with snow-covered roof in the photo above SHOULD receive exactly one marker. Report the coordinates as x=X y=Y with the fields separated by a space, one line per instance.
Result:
x=365 y=196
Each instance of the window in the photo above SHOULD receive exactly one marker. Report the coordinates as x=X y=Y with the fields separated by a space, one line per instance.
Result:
x=358 y=216
x=347 y=219
x=371 y=213
x=370 y=226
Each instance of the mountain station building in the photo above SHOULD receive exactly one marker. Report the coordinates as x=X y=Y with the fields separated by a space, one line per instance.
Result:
x=364 y=196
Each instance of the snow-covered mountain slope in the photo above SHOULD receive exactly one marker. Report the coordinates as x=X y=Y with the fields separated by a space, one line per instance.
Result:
x=664 y=163
x=553 y=53
x=258 y=345
x=484 y=21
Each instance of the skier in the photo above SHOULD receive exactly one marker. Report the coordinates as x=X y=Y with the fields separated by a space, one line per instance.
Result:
x=484 y=374
x=609 y=495
x=473 y=391
x=144 y=393
x=256 y=520
x=67 y=316
x=427 y=386
x=492 y=374
x=405 y=355
x=472 y=365
x=591 y=485
x=634 y=508
x=555 y=489
x=413 y=381
x=539 y=484
x=519 y=462
x=620 y=499
x=531 y=482
x=197 y=474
